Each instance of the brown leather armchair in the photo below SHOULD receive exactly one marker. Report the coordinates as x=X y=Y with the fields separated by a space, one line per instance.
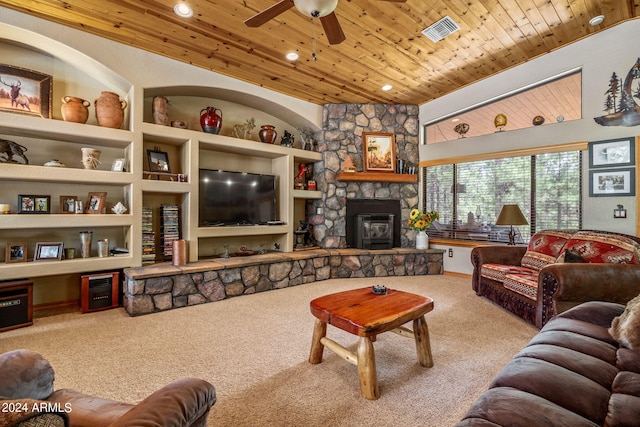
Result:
x=25 y=374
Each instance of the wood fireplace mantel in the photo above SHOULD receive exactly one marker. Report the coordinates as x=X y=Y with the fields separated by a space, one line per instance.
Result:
x=377 y=176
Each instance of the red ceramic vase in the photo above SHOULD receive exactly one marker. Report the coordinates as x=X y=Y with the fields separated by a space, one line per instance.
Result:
x=210 y=120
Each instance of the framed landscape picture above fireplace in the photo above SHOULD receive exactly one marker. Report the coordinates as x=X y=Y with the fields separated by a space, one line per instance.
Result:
x=379 y=152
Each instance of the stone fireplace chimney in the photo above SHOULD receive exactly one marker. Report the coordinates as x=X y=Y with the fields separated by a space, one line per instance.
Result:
x=341 y=137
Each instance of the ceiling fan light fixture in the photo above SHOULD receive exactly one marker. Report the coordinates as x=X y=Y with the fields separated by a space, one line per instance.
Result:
x=596 y=20
x=315 y=8
x=183 y=10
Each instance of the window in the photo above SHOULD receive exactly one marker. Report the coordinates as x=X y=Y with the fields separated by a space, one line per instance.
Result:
x=469 y=195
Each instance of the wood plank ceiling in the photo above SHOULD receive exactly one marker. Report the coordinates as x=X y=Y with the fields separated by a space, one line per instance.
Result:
x=383 y=45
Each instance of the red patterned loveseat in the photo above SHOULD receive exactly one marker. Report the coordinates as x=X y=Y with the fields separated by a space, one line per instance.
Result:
x=559 y=269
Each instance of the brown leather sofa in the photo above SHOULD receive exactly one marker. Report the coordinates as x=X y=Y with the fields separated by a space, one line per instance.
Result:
x=25 y=374
x=535 y=282
x=573 y=373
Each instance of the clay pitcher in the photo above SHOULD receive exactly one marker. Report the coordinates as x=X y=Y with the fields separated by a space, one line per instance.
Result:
x=75 y=109
x=160 y=109
x=268 y=134
x=210 y=120
x=110 y=110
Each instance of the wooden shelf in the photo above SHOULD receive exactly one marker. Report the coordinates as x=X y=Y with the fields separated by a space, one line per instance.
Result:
x=376 y=176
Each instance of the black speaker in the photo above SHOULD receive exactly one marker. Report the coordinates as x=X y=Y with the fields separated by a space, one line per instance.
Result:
x=16 y=305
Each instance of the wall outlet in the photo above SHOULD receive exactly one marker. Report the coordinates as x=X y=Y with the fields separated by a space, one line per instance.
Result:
x=450 y=253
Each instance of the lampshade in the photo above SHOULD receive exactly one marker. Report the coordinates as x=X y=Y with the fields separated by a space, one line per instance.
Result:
x=511 y=215
x=315 y=8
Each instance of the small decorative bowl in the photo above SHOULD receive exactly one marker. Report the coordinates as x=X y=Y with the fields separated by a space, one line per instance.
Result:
x=379 y=289
x=179 y=124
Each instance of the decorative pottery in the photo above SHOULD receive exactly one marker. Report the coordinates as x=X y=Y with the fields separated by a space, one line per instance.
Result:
x=110 y=110
x=85 y=243
x=461 y=129
x=75 y=109
x=119 y=208
x=268 y=134
x=422 y=240
x=210 y=120
x=55 y=163
x=538 y=120
x=179 y=124
x=160 y=110
x=90 y=157
x=500 y=121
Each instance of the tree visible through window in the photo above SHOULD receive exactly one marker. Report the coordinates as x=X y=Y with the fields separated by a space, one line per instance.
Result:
x=469 y=196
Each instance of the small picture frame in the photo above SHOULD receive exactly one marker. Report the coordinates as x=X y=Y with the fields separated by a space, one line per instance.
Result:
x=379 y=152
x=612 y=182
x=95 y=203
x=158 y=161
x=612 y=153
x=118 y=165
x=28 y=91
x=16 y=252
x=68 y=204
x=31 y=204
x=48 y=251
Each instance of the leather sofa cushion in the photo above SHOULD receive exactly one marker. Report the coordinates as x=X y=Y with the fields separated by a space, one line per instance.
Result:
x=544 y=248
x=597 y=247
x=523 y=284
x=30 y=413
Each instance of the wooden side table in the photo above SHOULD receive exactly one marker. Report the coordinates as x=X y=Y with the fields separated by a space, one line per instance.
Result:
x=365 y=314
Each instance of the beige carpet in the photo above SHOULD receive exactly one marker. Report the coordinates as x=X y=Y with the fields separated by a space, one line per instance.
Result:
x=254 y=349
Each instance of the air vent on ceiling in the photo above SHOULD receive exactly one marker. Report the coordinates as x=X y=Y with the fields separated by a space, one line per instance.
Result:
x=441 y=29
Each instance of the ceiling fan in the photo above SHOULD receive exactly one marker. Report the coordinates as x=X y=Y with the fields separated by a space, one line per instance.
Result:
x=323 y=9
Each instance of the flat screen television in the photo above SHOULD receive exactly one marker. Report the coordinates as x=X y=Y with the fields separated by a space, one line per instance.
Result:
x=236 y=198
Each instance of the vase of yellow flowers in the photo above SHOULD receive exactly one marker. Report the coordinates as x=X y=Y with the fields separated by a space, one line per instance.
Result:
x=421 y=223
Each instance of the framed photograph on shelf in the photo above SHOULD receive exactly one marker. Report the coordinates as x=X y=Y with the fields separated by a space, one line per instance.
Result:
x=612 y=182
x=612 y=153
x=118 y=165
x=29 y=204
x=379 y=152
x=50 y=251
x=95 y=203
x=68 y=204
x=29 y=91
x=158 y=161
x=16 y=252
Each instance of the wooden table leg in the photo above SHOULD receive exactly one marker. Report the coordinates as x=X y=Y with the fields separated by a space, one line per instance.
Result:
x=423 y=346
x=317 y=348
x=367 y=369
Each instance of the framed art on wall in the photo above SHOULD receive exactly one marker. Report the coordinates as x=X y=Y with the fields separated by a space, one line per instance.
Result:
x=29 y=92
x=612 y=182
x=612 y=153
x=379 y=152
x=29 y=204
x=16 y=252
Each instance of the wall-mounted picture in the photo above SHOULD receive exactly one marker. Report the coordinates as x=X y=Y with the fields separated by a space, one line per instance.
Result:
x=158 y=161
x=379 y=152
x=612 y=182
x=28 y=204
x=25 y=91
x=49 y=251
x=68 y=204
x=612 y=153
x=16 y=252
x=95 y=203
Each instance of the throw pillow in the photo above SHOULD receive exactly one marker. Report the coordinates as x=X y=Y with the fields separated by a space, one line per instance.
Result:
x=626 y=328
x=572 y=255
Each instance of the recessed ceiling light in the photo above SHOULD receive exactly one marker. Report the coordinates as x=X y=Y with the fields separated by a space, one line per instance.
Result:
x=596 y=20
x=386 y=87
x=183 y=10
x=292 y=56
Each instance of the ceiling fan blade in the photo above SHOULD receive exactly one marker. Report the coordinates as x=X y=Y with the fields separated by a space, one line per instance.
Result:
x=269 y=13
x=332 y=28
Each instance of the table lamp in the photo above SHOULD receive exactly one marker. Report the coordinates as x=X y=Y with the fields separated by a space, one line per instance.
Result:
x=511 y=215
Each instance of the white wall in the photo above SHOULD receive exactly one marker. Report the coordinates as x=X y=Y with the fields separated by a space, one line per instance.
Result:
x=599 y=56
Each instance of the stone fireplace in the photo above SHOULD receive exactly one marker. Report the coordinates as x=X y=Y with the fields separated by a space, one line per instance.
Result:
x=373 y=214
x=341 y=137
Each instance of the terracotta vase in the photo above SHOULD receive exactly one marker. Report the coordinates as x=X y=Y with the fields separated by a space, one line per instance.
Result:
x=75 y=109
x=110 y=110
x=160 y=109
x=210 y=120
x=268 y=134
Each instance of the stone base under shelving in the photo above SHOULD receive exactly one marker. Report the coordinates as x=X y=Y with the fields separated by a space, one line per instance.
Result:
x=161 y=287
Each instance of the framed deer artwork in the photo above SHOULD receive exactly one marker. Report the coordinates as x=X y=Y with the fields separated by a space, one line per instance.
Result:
x=25 y=91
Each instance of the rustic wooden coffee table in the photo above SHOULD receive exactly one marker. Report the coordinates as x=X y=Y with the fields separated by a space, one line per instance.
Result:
x=363 y=313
